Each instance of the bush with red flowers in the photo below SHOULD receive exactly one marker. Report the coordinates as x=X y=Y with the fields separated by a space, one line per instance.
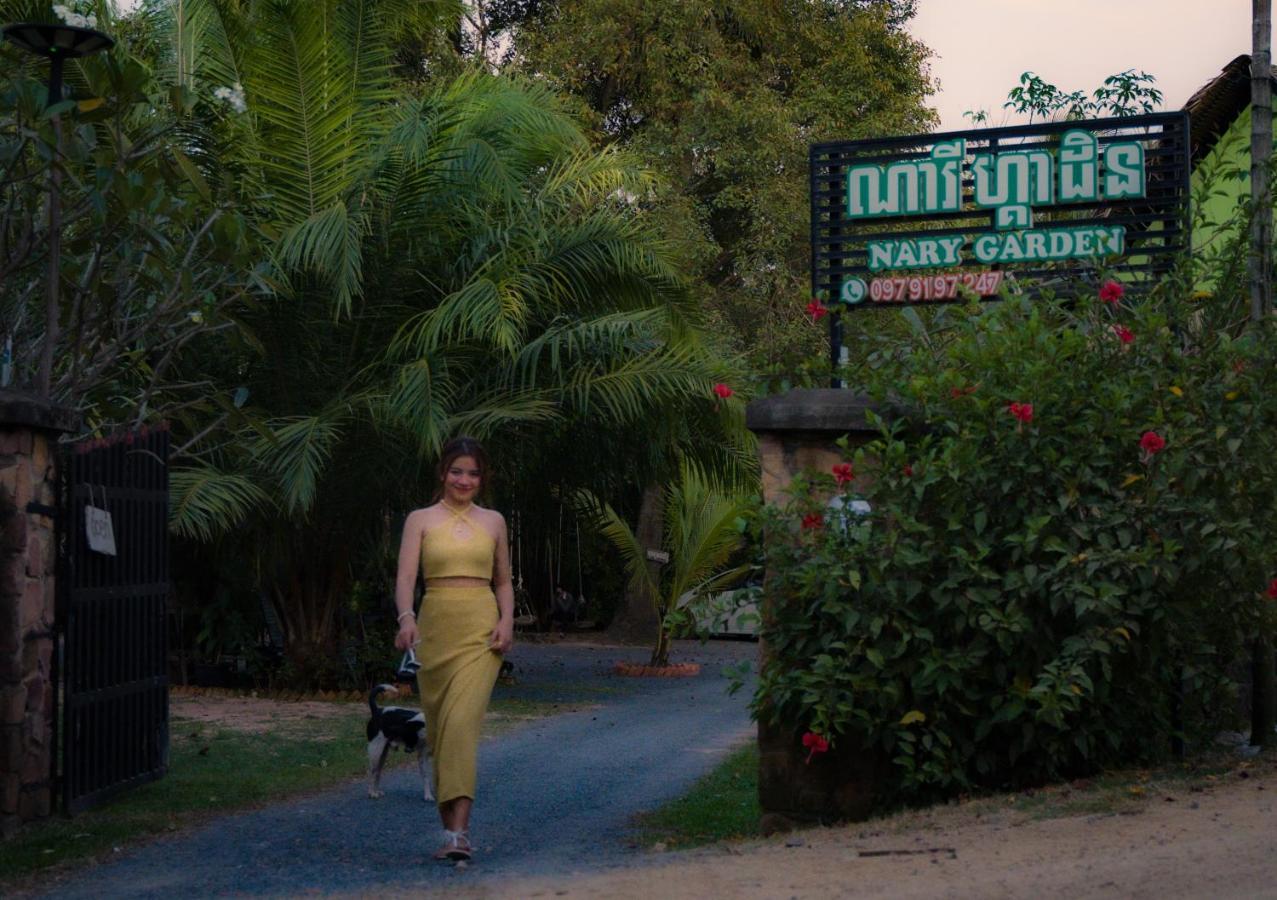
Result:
x=1029 y=603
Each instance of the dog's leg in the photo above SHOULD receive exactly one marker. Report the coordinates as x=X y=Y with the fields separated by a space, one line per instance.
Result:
x=378 y=750
x=423 y=766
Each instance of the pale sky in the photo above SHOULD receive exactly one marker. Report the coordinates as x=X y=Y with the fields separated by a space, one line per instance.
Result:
x=980 y=47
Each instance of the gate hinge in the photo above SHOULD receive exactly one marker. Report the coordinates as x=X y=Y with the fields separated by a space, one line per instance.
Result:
x=41 y=509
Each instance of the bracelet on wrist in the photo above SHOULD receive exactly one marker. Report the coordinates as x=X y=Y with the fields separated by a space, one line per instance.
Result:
x=402 y=614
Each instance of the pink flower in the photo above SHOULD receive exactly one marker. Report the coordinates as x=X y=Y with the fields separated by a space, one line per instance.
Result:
x=816 y=311
x=812 y=521
x=1271 y=593
x=814 y=744
x=1124 y=334
x=1111 y=291
x=1022 y=411
x=723 y=391
x=1152 y=443
x=843 y=473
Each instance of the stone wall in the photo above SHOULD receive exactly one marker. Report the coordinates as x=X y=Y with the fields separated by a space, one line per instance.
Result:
x=28 y=434
x=798 y=431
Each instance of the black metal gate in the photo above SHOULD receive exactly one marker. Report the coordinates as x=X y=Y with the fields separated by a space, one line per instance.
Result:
x=111 y=617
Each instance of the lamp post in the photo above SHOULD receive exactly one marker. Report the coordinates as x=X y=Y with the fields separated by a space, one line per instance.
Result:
x=57 y=43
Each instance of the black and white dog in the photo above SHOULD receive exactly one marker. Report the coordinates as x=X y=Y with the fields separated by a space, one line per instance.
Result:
x=395 y=726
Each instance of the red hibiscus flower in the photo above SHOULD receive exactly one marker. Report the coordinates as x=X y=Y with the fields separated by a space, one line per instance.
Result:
x=816 y=311
x=812 y=521
x=1271 y=593
x=1152 y=443
x=908 y=471
x=1124 y=334
x=843 y=473
x=1111 y=291
x=1022 y=411
x=723 y=391
x=814 y=744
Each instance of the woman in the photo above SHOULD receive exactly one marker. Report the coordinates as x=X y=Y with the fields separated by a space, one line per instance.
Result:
x=466 y=622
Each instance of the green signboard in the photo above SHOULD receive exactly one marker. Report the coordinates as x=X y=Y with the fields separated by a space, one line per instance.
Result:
x=931 y=218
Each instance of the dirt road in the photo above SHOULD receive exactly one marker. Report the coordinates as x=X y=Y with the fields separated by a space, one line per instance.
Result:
x=1216 y=840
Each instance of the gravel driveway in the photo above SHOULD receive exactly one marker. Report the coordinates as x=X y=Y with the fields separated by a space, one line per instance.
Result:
x=555 y=795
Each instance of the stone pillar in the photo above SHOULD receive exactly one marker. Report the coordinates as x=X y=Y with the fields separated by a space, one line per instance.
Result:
x=797 y=431
x=29 y=430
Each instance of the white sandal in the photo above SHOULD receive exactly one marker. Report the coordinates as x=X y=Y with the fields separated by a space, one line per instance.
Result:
x=456 y=846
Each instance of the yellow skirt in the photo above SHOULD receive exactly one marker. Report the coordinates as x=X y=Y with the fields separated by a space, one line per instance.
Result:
x=456 y=677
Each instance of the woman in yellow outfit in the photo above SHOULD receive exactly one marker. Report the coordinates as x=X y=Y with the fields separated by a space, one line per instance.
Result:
x=466 y=622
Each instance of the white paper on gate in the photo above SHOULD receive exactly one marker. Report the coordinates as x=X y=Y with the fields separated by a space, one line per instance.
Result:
x=97 y=525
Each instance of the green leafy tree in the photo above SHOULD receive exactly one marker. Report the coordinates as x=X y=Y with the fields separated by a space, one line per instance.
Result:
x=723 y=99
x=1126 y=93
x=150 y=263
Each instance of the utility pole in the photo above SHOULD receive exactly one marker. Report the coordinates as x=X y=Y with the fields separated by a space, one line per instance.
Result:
x=1261 y=148
x=1263 y=703
x=56 y=43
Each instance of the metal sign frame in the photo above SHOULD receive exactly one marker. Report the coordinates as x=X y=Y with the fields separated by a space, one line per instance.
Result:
x=935 y=211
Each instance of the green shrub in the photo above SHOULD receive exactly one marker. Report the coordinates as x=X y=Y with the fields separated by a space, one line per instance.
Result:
x=1038 y=589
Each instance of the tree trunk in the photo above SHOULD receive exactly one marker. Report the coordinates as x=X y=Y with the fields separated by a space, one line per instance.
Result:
x=307 y=600
x=661 y=653
x=636 y=621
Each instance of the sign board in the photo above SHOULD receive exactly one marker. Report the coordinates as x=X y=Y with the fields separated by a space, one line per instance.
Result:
x=930 y=219
x=99 y=530
x=658 y=556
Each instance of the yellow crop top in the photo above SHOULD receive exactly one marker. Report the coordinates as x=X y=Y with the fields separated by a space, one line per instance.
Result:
x=460 y=549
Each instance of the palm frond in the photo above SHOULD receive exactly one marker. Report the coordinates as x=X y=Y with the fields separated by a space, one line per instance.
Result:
x=329 y=243
x=419 y=403
x=296 y=456
x=701 y=532
x=300 y=85
x=206 y=502
x=622 y=537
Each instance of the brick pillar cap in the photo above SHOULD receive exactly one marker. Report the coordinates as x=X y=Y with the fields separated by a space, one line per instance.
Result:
x=20 y=408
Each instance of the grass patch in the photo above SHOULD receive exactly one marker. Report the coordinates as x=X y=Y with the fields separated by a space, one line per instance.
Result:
x=722 y=805
x=215 y=769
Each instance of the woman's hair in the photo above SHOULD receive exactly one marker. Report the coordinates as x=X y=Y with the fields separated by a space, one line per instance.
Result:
x=457 y=448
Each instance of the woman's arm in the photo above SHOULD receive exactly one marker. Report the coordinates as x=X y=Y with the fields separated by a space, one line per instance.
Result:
x=503 y=634
x=406 y=579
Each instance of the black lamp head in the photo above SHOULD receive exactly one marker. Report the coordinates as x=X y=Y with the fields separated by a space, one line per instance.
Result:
x=56 y=41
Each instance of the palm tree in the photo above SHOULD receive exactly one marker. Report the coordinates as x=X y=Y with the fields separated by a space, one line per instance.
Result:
x=458 y=260
x=701 y=533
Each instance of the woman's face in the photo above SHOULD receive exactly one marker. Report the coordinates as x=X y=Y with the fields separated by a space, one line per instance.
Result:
x=461 y=481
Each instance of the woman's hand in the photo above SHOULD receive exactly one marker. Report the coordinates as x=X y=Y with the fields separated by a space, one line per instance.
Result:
x=502 y=636
x=407 y=636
